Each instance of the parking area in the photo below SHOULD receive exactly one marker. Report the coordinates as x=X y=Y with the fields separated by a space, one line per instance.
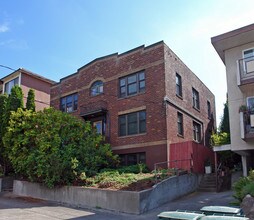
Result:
x=15 y=207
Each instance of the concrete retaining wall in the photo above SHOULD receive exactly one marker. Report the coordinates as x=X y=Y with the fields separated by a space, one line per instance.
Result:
x=167 y=191
x=122 y=201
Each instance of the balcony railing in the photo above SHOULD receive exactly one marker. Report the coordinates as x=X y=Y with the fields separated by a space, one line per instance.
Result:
x=247 y=125
x=246 y=71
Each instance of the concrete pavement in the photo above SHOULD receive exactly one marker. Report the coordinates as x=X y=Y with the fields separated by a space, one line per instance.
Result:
x=15 y=207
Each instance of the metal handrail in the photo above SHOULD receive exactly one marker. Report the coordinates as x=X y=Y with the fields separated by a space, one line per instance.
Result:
x=242 y=65
x=176 y=168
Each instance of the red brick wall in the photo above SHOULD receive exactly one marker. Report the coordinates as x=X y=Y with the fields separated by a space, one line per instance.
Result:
x=154 y=154
x=159 y=65
x=184 y=105
x=109 y=70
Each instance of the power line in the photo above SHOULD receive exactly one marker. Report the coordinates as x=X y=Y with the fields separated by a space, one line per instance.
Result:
x=7 y=67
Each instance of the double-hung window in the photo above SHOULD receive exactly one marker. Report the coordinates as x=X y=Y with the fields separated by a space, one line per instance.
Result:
x=178 y=85
x=132 y=123
x=195 y=99
x=132 y=84
x=132 y=159
x=8 y=85
x=196 y=131
x=69 y=103
x=180 y=123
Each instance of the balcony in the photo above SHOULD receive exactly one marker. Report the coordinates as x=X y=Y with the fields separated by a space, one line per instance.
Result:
x=246 y=71
x=247 y=125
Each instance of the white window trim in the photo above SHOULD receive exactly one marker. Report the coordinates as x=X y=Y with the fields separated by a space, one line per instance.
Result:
x=252 y=48
x=247 y=99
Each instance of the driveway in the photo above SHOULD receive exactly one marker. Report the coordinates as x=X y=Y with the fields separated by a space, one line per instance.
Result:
x=15 y=207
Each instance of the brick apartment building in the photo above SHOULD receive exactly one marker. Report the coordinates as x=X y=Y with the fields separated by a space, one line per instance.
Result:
x=28 y=80
x=146 y=101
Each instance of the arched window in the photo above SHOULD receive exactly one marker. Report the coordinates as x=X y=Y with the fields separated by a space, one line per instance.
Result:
x=97 y=88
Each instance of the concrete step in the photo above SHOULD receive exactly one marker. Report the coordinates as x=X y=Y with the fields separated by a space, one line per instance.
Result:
x=207 y=189
x=208 y=183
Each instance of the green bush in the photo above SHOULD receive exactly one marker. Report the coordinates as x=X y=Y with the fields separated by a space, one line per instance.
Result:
x=244 y=186
x=114 y=179
x=220 y=139
x=30 y=103
x=55 y=148
x=137 y=168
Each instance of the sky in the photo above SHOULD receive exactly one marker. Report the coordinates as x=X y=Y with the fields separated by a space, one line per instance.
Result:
x=54 y=38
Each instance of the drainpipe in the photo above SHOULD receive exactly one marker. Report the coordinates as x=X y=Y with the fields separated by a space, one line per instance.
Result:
x=165 y=102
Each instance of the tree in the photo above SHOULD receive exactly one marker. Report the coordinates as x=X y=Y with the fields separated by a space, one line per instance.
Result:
x=13 y=103
x=3 y=100
x=15 y=99
x=30 y=104
x=224 y=125
x=55 y=148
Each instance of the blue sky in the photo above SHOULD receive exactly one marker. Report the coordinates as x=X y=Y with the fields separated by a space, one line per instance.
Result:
x=56 y=37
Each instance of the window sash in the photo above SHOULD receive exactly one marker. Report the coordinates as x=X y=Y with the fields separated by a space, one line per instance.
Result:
x=195 y=97
x=133 y=158
x=180 y=123
x=69 y=103
x=133 y=123
x=178 y=85
x=132 y=84
x=8 y=85
x=196 y=132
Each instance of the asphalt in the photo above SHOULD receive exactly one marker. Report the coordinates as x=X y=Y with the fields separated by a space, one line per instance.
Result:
x=16 y=207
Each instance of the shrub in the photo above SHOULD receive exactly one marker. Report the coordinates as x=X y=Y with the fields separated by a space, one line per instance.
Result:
x=220 y=139
x=137 y=168
x=30 y=104
x=55 y=148
x=114 y=179
x=244 y=186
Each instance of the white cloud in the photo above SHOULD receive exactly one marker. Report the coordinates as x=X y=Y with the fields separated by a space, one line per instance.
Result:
x=4 y=27
x=15 y=44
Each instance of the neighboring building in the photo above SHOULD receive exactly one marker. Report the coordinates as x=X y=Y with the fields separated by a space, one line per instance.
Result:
x=145 y=101
x=28 y=80
x=236 y=50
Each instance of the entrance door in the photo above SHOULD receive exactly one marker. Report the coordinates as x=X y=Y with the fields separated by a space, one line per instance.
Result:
x=99 y=126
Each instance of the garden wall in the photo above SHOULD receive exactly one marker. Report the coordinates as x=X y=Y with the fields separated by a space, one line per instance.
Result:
x=122 y=201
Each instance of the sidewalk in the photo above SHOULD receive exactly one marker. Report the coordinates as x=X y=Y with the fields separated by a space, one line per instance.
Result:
x=14 y=207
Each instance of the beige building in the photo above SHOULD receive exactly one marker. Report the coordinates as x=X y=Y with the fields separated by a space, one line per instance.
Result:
x=28 y=80
x=236 y=50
